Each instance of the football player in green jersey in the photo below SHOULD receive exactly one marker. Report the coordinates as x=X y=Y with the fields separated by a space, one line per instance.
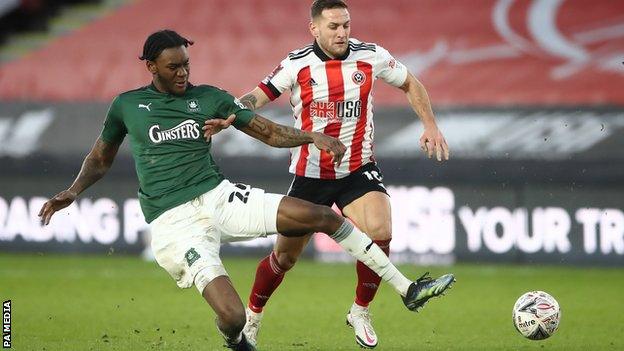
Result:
x=190 y=205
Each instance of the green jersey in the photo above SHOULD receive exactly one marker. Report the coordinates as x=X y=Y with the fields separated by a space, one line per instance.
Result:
x=171 y=157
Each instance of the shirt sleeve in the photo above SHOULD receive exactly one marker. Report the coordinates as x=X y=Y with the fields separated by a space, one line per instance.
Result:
x=278 y=81
x=389 y=69
x=114 y=129
x=229 y=105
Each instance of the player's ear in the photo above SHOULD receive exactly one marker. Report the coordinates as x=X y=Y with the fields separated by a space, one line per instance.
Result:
x=314 y=29
x=151 y=66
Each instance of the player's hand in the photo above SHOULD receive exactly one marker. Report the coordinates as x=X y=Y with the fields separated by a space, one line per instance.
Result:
x=432 y=141
x=57 y=203
x=331 y=145
x=215 y=125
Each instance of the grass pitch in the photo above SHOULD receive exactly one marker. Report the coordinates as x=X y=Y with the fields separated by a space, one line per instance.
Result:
x=123 y=303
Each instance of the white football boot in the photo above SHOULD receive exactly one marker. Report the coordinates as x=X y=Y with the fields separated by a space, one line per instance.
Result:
x=252 y=326
x=360 y=320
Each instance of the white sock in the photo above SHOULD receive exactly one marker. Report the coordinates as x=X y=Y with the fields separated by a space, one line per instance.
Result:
x=355 y=307
x=358 y=245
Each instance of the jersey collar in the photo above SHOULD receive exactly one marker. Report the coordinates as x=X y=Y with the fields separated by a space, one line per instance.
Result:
x=323 y=56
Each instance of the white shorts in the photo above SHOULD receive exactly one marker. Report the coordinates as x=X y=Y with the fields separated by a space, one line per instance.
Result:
x=186 y=239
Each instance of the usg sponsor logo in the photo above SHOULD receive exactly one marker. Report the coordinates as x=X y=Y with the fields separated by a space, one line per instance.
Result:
x=335 y=112
x=188 y=129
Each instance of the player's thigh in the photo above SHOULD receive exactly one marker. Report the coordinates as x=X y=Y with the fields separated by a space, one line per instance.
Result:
x=296 y=217
x=371 y=213
x=244 y=213
x=365 y=201
x=186 y=247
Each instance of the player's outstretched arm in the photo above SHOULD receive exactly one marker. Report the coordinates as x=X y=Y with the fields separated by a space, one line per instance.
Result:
x=278 y=135
x=94 y=166
x=432 y=139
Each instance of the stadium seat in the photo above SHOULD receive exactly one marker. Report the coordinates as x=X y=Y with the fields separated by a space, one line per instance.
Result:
x=490 y=56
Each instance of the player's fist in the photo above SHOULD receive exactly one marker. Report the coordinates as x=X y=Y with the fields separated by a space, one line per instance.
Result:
x=215 y=125
x=57 y=203
x=331 y=145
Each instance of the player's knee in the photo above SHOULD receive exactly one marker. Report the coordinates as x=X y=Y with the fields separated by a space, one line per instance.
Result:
x=380 y=231
x=286 y=260
x=326 y=218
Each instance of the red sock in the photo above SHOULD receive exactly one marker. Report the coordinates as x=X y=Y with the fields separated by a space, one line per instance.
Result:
x=269 y=275
x=368 y=281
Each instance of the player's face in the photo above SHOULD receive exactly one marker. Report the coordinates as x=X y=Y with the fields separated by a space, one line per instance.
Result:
x=331 y=30
x=172 y=69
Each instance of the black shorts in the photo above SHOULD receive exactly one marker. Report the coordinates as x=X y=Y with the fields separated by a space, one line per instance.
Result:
x=341 y=191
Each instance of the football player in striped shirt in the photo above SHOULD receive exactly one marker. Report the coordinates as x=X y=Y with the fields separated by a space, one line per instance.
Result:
x=331 y=83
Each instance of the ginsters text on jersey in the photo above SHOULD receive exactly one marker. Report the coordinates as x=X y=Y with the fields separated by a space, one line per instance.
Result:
x=189 y=129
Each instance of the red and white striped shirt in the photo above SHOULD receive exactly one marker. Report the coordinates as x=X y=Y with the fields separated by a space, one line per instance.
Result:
x=333 y=96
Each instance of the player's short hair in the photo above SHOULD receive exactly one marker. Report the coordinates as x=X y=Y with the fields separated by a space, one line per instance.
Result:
x=161 y=40
x=319 y=5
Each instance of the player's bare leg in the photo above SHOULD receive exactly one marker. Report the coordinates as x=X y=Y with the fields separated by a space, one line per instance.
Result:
x=372 y=214
x=226 y=303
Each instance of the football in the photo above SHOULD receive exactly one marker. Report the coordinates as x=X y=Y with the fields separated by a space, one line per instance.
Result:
x=536 y=315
